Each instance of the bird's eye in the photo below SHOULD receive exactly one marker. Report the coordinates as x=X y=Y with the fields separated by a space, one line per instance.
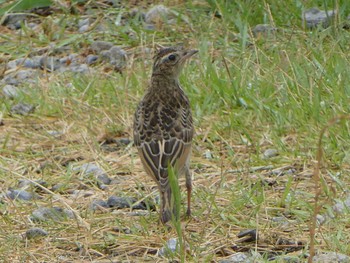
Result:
x=172 y=57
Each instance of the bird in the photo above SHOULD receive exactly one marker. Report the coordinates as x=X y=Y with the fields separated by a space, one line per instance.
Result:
x=163 y=127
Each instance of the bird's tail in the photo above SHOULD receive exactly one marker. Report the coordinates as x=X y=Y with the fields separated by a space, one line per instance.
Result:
x=167 y=206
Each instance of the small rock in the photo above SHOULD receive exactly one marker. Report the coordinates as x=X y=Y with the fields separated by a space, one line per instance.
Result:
x=99 y=205
x=99 y=46
x=35 y=232
x=157 y=14
x=248 y=235
x=54 y=214
x=207 y=154
x=239 y=257
x=120 y=202
x=13 y=21
x=169 y=248
x=115 y=56
x=269 y=153
x=331 y=257
x=81 y=68
x=22 y=109
x=55 y=134
x=339 y=208
x=314 y=17
x=25 y=183
x=83 y=28
x=91 y=168
x=10 y=91
x=20 y=195
x=29 y=62
x=150 y=27
x=50 y=63
x=91 y=59
x=289 y=245
x=264 y=30
x=11 y=80
x=84 y=22
x=320 y=219
x=26 y=75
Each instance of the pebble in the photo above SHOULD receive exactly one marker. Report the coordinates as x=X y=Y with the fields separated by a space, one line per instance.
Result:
x=91 y=168
x=54 y=213
x=157 y=14
x=26 y=75
x=83 y=28
x=29 y=62
x=80 y=68
x=13 y=21
x=99 y=46
x=10 y=91
x=91 y=59
x=269 y=153
x=248 y=235
x=84 y=22
x=35 y=232
x=331 y=257
x=169 y=248
x=22 y=109
x=320 y=219
x=264 y=30
x=314 y=17
x=20 y=194
x=120 y=202
x=50 y=63
x=239 y=257
x=25 y=183
x=98 y=205
x=116 y=56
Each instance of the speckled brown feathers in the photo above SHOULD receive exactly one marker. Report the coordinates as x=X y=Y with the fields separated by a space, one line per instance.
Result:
x=163 y=129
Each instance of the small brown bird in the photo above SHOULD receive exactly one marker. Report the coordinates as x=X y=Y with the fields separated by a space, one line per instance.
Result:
x=163 y=128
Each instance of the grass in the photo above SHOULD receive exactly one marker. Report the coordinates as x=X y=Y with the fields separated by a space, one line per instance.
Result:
x=247 y=95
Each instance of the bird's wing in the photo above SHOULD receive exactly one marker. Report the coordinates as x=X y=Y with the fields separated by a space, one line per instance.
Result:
x=164 y=140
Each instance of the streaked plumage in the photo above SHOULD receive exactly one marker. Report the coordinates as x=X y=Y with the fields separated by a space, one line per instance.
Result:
x=163 y=129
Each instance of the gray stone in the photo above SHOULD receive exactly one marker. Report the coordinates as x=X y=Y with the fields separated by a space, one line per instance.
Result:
x=10 y=91
x=116 y=56
x=83 y=28
x=84 y=22
x=19 y=194
x=264 y=30
x=93 y=169
x=11 y=80
x=22 y=109
x=120 y=202
x=157 y=14
x=54 y=214
x=314 y=17
x=26 y=75
x=13 y=21
x=320 y=219
x=269 y=153
x=91 y=59
x=239 y=257
x=331 y=257
x=248 y=235
x=29 y=62
x=80 y=68
x=35 y=232
x=170 y=247
x=26 y=183
x=50 y=63
x=99 y=46
x=98 y=205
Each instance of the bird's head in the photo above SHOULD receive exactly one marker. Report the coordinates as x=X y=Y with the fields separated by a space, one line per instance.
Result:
x=169 y=61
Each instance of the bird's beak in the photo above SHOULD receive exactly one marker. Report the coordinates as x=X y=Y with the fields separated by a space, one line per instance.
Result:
x=189 y=53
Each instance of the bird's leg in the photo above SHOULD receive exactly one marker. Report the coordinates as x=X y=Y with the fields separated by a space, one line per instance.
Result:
x=189 y=190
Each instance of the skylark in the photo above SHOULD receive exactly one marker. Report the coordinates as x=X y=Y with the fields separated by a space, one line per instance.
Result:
x=163 y=128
